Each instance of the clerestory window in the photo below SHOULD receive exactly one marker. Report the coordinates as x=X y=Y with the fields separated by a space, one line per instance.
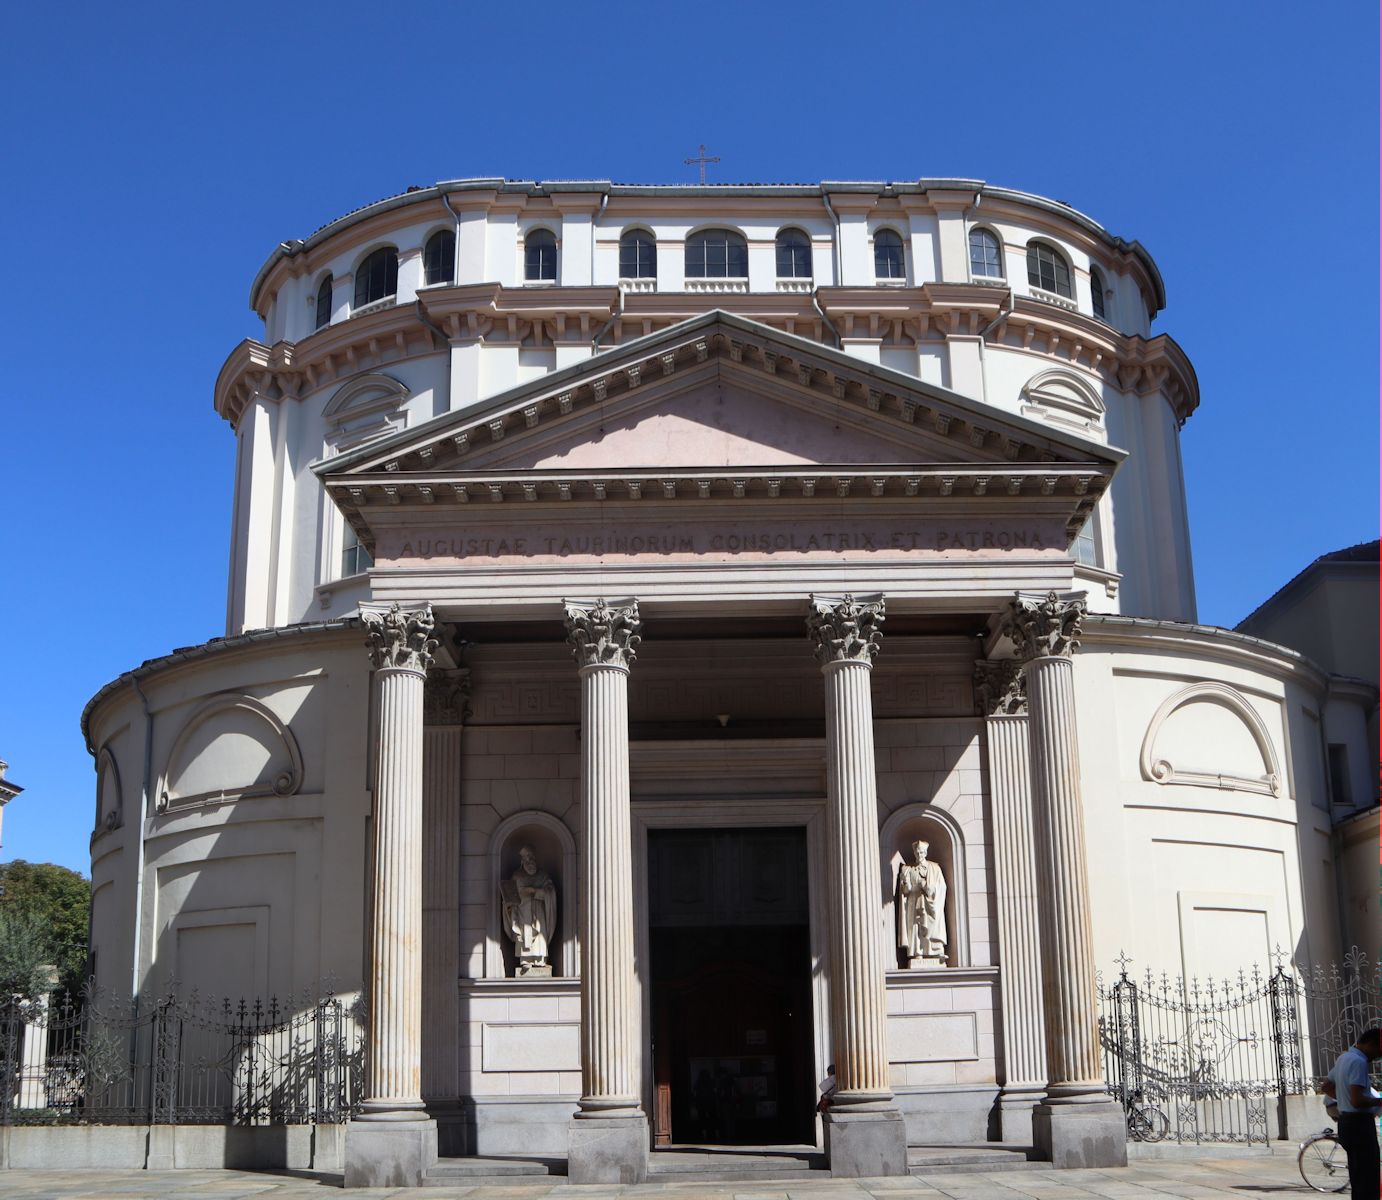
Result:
x=1096 y=292
x=1048 y=270
x=985 y=255
x=377 y=277
x=717 y=254
x=540 y=256
x=889 y=262
x=439 y=258
x=324 y=303
x=637 y=255
x=793 y=255
x=355 y=557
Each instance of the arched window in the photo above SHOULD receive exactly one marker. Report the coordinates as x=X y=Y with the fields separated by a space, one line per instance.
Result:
x=377 y=277
x=985 y=255
x=637 y=255
x=540 y=255
x=1048 y=270
x=1096 y=292
x=888 y=259
x=716 y=254
x=324 y=303
x=793 y=255
x=439 y=258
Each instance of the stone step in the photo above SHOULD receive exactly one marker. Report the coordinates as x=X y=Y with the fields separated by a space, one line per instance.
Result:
x=485 y=1170
x=731 y=1164
x=970 y=1157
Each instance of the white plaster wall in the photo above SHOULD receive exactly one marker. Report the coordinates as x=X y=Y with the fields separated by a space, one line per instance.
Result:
x=1200 y=879
x=260 y=895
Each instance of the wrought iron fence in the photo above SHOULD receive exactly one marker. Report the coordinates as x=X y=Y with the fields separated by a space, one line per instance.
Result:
x=1214 y=1059
x=96 y=1059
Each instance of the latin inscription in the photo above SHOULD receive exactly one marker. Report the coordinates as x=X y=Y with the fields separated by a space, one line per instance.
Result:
x=704 y=542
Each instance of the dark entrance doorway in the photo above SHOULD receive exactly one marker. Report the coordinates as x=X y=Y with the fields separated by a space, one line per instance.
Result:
x=730 y=966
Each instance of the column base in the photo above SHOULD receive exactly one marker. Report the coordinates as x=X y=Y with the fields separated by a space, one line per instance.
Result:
x=1081 y=1135
x=607 y=1150
x=866 y=1145
x=389 y=1153
x=1015 y=1108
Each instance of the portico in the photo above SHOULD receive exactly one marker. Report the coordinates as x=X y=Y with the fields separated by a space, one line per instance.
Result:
x=626 y=504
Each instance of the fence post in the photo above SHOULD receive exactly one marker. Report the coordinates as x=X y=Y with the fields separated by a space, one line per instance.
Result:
x=1284 y=993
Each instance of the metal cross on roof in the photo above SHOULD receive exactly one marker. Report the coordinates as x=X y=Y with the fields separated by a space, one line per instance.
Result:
x=702 y=160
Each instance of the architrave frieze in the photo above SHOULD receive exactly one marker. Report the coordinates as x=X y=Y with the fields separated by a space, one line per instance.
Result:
x=538 y=317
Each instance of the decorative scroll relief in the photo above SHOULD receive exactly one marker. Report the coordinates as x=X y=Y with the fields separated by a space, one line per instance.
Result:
x=110 y=806
x=846 y=629
x=603 y=634
x=1228 y=728
x=400 y=638
x=233 y=747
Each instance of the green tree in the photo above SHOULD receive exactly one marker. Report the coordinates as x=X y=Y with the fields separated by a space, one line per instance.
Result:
x=44 y=909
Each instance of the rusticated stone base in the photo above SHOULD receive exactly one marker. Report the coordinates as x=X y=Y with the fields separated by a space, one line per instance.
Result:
x=1081 y=1135
x=866 y=1145
x=607 y=1150
x=389 y=1153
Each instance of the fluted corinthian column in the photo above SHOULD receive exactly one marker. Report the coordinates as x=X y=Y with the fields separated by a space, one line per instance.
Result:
x=393 y=1142
x=1077 y=1123
x=865 y=1134
x=1002 y=698
x=609 y=1137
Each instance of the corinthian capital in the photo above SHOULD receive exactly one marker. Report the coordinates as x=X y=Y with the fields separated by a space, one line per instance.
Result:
x=399 y=638
x=846 y=630
x=999 y=689
x=603 y=634
x=1044 y=626
x=446 y=697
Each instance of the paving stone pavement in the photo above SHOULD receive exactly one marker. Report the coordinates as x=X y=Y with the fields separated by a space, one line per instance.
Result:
x=1257 y=1176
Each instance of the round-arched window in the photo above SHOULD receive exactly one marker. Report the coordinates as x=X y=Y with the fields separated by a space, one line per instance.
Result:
x=439 y=258
x=889 y=262
x=324 y=303
x=793 y=255
x=717 y=254
x=1096 y=292
x=985 y=255
x=637 y=255
x=540 y=256
x=1048 y=270
x=377 y=277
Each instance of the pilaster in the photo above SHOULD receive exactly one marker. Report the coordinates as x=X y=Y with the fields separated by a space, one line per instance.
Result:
x=609 y=1135
x=865 y=1135
x=1002 y=699
x=445 y=697
x=1077 y=1125
x=393 y=1142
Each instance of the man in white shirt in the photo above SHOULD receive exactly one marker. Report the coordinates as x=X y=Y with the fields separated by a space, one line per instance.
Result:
x=1358 y=1103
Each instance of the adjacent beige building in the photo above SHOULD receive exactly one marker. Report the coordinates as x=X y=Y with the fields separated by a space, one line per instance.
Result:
x=624 y=580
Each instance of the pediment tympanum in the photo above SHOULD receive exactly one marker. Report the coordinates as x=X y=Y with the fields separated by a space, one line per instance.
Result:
x=719 y=437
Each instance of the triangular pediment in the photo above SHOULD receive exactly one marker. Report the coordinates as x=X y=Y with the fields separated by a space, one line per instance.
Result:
x=719 y=391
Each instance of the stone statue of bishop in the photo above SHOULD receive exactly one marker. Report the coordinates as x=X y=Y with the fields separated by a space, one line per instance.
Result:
x=919 y=902
x=528 y=906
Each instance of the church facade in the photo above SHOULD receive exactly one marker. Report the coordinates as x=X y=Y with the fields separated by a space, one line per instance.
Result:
x=688 y=643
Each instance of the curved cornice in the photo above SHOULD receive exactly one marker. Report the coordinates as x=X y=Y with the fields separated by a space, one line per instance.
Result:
x=494 y=313
x=473 y=192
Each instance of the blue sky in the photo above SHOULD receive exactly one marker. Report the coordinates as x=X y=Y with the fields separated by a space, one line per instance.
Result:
x=155 y=154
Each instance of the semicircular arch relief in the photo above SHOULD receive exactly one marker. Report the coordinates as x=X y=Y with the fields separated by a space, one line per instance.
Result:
x=110 y=804
x=1170 y=757
x=364 y=408
x=231 y=748
x=1064 y=398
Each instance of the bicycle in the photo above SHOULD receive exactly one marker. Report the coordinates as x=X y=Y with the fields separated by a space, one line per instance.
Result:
x=1322 y=1162
x=1146 y=1122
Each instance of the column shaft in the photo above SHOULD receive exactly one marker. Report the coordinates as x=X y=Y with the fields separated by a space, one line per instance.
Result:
x=393 y=1078
x=858 y=992
x=1067 y=944
x=609 y=1015
x=441 y=901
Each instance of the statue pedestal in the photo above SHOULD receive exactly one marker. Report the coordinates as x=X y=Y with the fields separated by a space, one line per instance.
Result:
x=533 y=971
x=925 y=964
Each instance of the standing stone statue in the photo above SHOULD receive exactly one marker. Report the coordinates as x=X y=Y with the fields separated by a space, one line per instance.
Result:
x=920 y=906
x=528 y=908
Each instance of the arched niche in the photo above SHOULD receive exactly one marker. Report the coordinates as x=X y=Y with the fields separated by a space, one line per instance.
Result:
x=1209 y=735
x=231 y=748
x=110 y=801
x=555 y=848
x=925 y=822
x=364 y=408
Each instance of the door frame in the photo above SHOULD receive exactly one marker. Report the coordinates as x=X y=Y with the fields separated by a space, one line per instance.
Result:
x=719 y=804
